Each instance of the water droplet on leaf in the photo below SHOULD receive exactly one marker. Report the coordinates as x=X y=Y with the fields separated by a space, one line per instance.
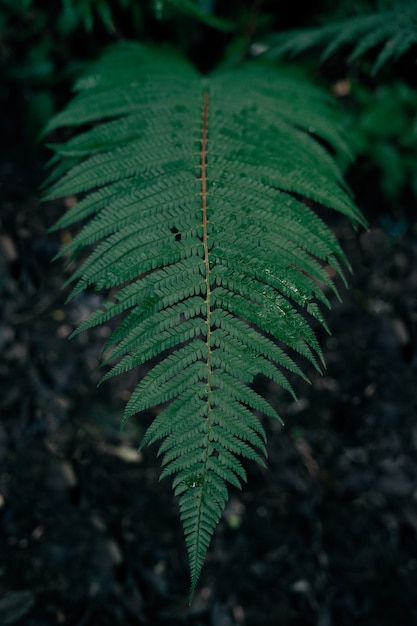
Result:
x=194 y=481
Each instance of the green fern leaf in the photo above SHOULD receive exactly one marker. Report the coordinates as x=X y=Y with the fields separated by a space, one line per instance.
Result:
x=393 y=26
x=195 y=200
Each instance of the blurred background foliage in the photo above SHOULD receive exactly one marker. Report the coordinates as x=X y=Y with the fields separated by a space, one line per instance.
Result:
x=382 y=125
x=43 y=45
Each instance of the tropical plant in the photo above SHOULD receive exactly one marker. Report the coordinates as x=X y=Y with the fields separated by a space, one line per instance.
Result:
x=198 y=199
x=198 y=194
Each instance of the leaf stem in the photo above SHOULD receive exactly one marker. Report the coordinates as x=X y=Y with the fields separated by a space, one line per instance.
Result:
x=203 y=173
x=204 y=222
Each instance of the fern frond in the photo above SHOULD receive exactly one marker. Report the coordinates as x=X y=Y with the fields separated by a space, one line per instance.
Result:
x=393 y=28
x=196 y=195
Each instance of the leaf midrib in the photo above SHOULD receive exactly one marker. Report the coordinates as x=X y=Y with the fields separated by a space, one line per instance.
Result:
x=204 y=221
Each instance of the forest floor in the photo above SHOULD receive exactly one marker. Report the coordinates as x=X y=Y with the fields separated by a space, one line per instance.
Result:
x=326 y=535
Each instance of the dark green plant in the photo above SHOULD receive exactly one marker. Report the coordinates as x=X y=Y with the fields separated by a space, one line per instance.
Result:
x=85 y=12
x=201 y=11
x=198 y=200
x=382 y=126
x=197 y=195
x=25 y=60
x=392 y=28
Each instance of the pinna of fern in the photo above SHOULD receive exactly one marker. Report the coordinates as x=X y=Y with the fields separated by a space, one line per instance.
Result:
x=196 y=197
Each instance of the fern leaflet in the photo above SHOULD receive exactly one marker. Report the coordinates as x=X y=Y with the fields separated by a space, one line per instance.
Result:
x=394 y=25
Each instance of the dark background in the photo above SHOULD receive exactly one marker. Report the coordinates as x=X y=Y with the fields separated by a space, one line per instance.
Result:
x=327 y=534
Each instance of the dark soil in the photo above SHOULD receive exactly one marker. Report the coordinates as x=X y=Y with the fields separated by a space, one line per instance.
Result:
x=325 y=536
